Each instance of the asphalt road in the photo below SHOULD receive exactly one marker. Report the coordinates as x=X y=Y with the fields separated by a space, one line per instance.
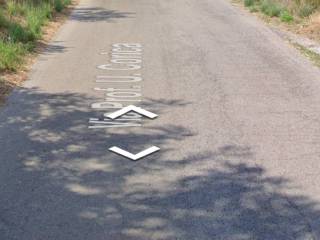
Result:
x=238 y=127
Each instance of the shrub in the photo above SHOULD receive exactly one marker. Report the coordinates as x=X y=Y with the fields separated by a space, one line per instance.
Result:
x=270 y=8
x=285 y=16
x=67 y=2
x=248 y=3
x=58 y=5
x=253 y=9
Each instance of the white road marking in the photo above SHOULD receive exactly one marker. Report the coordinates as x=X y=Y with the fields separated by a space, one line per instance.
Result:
x=134 y=157
x=130 y=108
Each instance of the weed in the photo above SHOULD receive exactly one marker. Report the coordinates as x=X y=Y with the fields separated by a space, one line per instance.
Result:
x=270 y=8
x=20 y=26
x=66 y=2
x=11 y=8
x=285 y=16
x=253 y=9
x=16 y=8
x=36 y=17
x=58 y=5
x=305 y=10
x=248 y=3
x=47 y=10
x=19 y=34
x=3 y=21
x=11 y=55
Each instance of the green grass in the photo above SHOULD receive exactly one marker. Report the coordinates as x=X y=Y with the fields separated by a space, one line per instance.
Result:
x=271 y=8
x=58 y=5
x=254 y=8
x=15 y=9
x=67 y=2
x=20 y=27
x=17 y=33
x=285 y=16
x=11 y=55
x=286 y=10
x=248 y=3
x=36 y=17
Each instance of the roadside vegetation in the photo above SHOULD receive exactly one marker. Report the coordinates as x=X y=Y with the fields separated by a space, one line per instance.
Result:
x=21 y=23
x=286 y=10
x=301 y=17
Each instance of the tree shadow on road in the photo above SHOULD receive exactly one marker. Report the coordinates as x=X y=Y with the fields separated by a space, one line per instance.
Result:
x=95 y=14
x=52 y=48
x=60 y=182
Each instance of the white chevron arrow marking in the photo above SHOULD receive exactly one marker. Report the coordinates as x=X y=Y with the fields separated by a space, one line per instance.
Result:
x=134 y=157
x=130 y=108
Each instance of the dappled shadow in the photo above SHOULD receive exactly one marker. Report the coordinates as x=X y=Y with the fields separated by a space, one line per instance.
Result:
x=60 y=182
x=50 y=48
x=98 y=14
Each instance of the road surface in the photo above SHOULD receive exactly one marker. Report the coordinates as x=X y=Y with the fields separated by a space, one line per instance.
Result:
x=237 y=127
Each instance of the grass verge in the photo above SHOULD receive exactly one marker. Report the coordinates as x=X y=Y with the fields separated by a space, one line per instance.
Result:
x=21 y=25
x=286 y=11
x=26 y=27
x=301 y=17
x=11 y=55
